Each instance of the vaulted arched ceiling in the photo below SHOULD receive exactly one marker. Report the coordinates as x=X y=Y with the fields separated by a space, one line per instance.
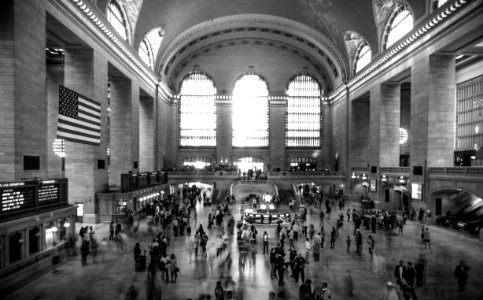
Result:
x=311 y=29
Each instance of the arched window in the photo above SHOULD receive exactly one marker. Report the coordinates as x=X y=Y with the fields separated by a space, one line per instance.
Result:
x=438 y=3
x=363 y=56
x=197 y=111
x=250 y=112
x=149 y=46
x=146 y=53
x=303 y=112
x=400 y=23
x=115 y=17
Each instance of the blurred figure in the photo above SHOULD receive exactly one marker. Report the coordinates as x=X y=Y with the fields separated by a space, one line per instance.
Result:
x=461 y=274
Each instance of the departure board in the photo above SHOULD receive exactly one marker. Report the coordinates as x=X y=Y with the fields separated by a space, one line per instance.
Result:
x=48 y=191
x=16 y=196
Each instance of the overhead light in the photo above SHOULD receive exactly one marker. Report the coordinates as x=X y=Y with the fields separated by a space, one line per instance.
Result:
x=458 y=57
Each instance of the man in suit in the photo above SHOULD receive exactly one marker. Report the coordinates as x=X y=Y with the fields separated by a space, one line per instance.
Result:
x=400 y=270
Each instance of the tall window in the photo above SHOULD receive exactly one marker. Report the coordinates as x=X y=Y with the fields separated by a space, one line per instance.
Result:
x=469 y=114
x=303 y=112
x=197 y=111
x=363 y=56
x=250 y=112
x=400 y=23
x=146 y=53
x=114 y=16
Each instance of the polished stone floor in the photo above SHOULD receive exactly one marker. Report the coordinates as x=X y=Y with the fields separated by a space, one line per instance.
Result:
x=113 y=274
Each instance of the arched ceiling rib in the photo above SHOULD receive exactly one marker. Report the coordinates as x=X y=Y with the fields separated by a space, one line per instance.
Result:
x=272 y=31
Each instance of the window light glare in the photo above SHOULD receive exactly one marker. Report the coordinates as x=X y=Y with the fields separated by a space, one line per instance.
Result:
x=250 y=112
x=401 y=24
x=403 y=136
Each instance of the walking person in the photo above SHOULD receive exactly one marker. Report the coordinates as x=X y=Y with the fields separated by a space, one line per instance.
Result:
x=348 y=242
x=371 y=244
x=419 y=268
x=427 y=238
x=308 y=248
x=173 y=268
x=265 y=238
x=219 y=292
x=333 y=235
x=461 y=274
x=316 y=247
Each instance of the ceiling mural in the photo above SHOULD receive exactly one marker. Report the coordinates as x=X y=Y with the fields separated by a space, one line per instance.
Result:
x=322 y=16
x=352 y=41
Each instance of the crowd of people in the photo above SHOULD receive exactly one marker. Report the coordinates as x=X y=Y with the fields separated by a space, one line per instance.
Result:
x=288 y=248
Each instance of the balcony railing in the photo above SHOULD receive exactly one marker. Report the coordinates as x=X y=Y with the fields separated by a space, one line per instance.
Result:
x=467 y=171
x=394 y=169
x=303 y=173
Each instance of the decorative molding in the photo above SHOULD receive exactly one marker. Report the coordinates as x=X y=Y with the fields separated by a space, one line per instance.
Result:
x=98 y=19
x=267 y=23
x=422 y=30
x=323 y=76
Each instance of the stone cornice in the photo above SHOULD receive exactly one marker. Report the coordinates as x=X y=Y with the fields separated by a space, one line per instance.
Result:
x=436 y=19
x=97 y=20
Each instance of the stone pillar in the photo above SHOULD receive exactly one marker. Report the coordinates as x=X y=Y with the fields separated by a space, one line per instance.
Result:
x=23 y=105
x=172 y=138
x=146 y=134
x=384 y=125
x=277 y=134
x=86 y=73
x=359 y=154
x=224 y=130
x=124 y=136
x=55 y=77
x=433 y=111
x=162 y=132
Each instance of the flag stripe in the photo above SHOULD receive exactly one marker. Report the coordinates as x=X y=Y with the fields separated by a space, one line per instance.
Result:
x=90 y=105
x=77 y=136
x=90 y=120
x=68 y=129
x=79 y=124
x=89 y=100
x=97 y=143
x=89 y=113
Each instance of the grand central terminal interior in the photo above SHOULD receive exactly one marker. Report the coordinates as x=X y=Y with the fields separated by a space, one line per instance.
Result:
x=241 y=149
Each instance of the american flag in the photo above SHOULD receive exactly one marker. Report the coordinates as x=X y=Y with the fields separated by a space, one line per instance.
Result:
x=79 y=118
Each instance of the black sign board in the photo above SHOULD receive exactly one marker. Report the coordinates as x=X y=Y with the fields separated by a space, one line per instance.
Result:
x=17 y=196
x=132 y=181
x=49 y=191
